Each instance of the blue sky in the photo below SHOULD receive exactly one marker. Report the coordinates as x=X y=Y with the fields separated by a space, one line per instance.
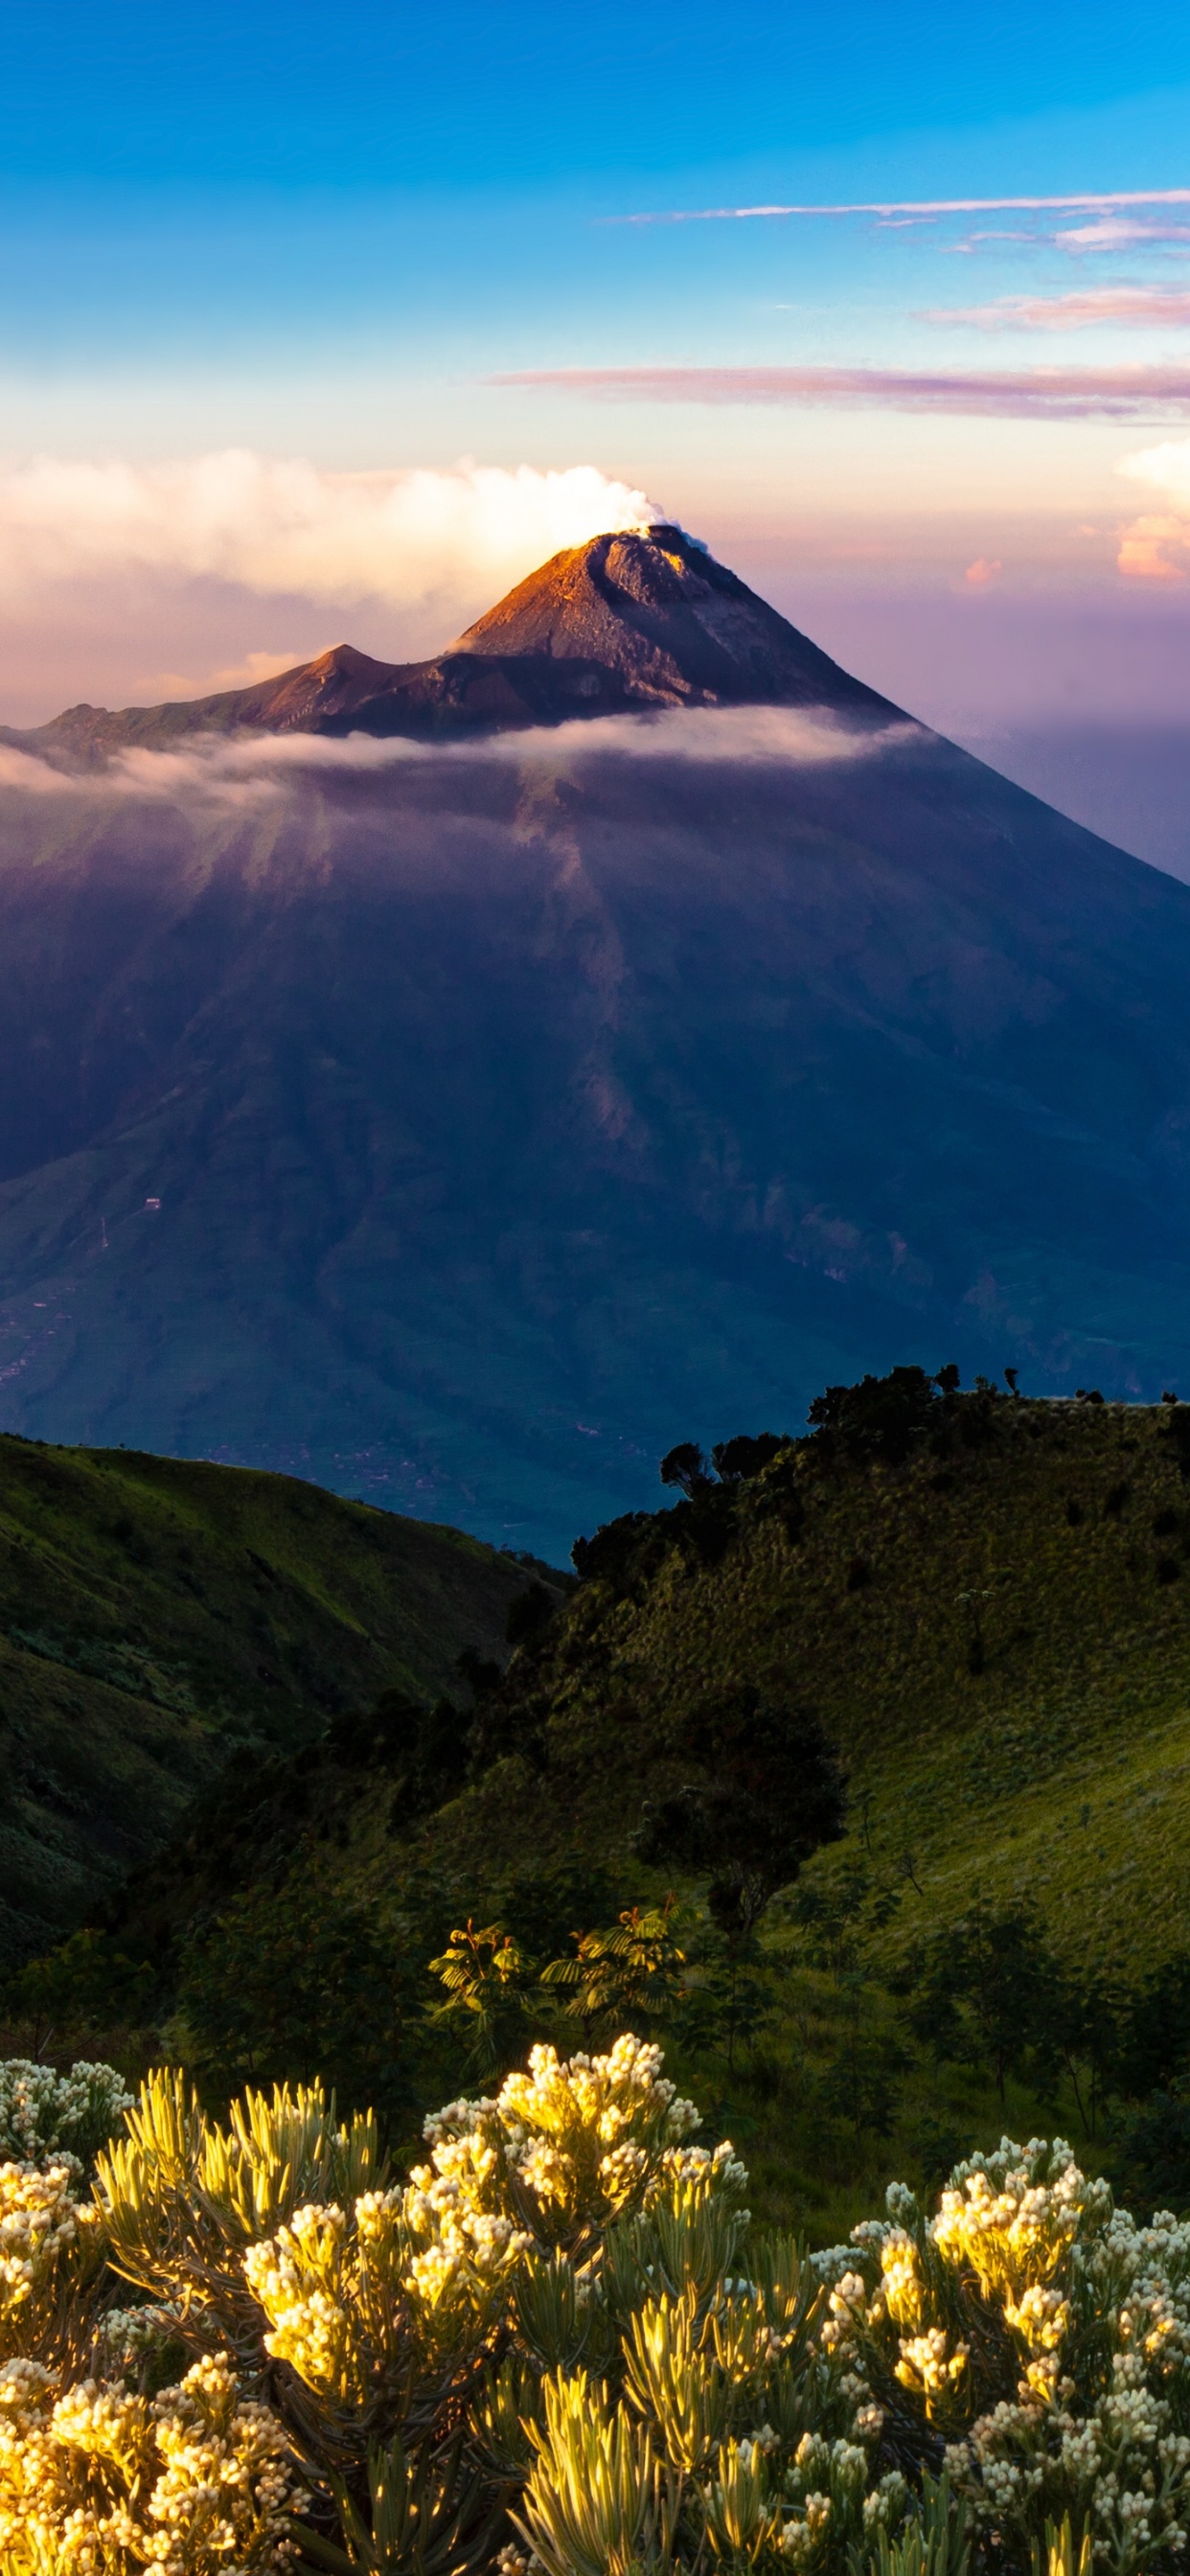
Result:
x=390 y=95
x=319 y=237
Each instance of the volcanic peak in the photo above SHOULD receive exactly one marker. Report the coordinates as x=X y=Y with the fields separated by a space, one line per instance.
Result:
x=677 y=628
x=634 y=619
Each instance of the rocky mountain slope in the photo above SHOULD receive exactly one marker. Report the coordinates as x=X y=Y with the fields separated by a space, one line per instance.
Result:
x=461 y=1122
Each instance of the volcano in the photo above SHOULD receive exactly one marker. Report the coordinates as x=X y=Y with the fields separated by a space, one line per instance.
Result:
x=456 y=1082
x=629 y=621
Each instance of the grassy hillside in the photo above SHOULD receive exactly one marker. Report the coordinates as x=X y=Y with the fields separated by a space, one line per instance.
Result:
x=994 y=1628
x=157 y=1615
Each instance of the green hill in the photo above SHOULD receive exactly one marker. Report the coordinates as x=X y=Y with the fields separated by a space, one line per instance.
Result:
x=157 y=1615
x=994 y=1627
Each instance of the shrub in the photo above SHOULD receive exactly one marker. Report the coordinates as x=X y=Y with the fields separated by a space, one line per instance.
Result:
x=558 y=2344
x=43 y=2113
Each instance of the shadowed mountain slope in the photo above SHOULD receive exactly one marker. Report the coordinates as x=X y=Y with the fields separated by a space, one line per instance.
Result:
x=463 y=1123
x=156 y=1617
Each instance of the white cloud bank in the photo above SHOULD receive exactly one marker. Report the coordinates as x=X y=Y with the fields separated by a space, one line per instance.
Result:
x=1167 y=467
x=252 y=769
x=283 y=526
x=1156 y=547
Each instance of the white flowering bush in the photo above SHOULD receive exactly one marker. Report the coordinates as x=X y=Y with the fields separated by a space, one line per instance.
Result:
x=48 y=2243
x=45 y=2114
x=559 y=2349
x=565 y=2148
x=98 y=2472
x=1043 y=2338
x=97 y=2477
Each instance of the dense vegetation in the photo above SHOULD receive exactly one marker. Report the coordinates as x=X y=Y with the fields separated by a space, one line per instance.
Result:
x=858 y=1776
x=159 y=1615
x=895 y=1712
x=560 y=2346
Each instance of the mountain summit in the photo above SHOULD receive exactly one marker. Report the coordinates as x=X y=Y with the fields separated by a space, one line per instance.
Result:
x=652 y=611
x=644 y=618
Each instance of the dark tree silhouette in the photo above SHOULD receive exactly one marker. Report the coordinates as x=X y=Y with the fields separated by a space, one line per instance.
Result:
x=685 y=1467
x=769 y=1793
x=746 y=1455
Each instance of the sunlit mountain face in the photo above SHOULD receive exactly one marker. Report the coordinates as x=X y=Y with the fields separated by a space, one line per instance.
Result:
x=457 y=1082
x=635 y=619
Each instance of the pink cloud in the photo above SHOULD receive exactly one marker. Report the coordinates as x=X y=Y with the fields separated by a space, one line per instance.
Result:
x=1115 y=232
x=1157 y=547
x=1056 y=393
x=982 y=571
x=1149 y=548
x=1075 y=312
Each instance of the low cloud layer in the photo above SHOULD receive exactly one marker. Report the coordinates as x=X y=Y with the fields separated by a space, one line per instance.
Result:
x=1053 y=393
x=284 y=526
x=254 y=769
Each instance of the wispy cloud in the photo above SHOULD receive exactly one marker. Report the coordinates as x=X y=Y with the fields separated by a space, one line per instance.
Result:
x=284 y=526
x=255 y=769
x=29 y=777
x=1079 y=311
x=1104 y=233
x=1116 y=232
x=889 y=208
x=1057 y=393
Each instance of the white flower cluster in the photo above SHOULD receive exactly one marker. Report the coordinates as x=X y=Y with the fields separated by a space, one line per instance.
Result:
x=40 y=2222
x=94 y=2479
x=306 y=2279
x=562 y=2149
x=832 y=2507
x=1095 y=2313
x=127 y=2337
x=578 y=2141
x=1121 y=2467
x=45 y=2114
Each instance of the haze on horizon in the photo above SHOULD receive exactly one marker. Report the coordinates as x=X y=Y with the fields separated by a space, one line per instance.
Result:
x=320 y=329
